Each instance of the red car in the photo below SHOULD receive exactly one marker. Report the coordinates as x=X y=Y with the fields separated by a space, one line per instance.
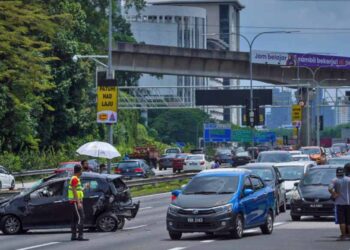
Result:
x=178 y=162
x=66 y=167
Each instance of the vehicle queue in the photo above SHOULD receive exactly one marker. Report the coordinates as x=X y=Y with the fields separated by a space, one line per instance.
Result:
x=225 y=200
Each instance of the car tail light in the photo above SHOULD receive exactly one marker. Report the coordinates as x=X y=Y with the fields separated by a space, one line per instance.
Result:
x=173 y=197
x=202 y=162
x=117 y=171
x=138 y=170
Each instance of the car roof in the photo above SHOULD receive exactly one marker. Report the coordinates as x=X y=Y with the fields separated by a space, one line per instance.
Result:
x=342 y=157
x=301 y=155
x=327 y=167
x=224 y=172
x=259 y=164
x=86 y=175
x=275 y=152
x=293 y=163
x=309 y=147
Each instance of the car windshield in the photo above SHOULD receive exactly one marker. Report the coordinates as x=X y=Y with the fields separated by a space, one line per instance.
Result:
x=291 y=173
x=278 y=157
x=181 y=156
x=172 y=151
x=319 y=177
x=265 y=174
x=122 y=165
x=338 y=161
x=194 y=158
x=300 y=158
x=311 y=151
x=212 y=185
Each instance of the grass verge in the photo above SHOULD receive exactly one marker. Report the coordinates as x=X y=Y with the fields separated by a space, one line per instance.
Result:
x=157 y=188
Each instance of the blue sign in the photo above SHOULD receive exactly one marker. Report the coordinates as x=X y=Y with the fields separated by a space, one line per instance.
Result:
x=217 y=132
x=261 y=137
x=180 y=144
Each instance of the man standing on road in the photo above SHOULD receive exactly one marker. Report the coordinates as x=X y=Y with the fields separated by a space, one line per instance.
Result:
x=85 y=166
x=340 y=190
x=75 y=196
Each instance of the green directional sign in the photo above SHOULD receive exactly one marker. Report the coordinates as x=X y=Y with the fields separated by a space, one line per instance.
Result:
x=241 y=135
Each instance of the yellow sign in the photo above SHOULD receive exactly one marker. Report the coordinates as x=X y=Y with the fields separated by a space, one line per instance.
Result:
x=107 y=104
x=296 y=113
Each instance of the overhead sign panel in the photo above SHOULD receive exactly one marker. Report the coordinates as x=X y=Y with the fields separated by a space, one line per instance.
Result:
x=217 y=132
x=299 y=59
x=107 y=101
x=232 y=97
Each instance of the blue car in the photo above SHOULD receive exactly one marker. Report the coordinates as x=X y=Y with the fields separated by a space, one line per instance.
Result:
x=221 y=200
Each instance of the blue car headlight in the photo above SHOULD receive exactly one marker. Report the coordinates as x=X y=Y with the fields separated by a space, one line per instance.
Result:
x=228 y=208
x=173 y=209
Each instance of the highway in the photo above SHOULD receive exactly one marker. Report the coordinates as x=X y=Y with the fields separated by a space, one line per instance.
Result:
x=148 y=232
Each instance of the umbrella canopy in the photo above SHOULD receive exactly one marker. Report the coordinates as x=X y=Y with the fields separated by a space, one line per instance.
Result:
x=98 y=149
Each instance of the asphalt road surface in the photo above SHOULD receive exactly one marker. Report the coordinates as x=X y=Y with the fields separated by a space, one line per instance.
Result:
x=148 y=232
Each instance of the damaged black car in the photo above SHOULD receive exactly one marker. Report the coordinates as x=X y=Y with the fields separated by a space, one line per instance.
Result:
x=107 y=204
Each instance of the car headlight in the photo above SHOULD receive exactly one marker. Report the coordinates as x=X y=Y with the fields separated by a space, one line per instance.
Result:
x=173 y=209
x=228 y=208
x=295 y=195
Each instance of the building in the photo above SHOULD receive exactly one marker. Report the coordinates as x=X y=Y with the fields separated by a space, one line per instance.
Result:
x=191 y=24
x=279 y=116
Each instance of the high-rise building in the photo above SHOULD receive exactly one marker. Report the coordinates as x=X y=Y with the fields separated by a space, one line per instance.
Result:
x=279 y=116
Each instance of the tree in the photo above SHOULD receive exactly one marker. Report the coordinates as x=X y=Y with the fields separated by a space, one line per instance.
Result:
x=25 y=35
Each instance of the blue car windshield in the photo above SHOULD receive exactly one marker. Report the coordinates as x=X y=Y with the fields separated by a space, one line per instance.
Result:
x=212 y=185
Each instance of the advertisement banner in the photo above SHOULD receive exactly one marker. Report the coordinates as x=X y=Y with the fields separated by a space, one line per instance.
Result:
x=299 y=59
x=107 y=102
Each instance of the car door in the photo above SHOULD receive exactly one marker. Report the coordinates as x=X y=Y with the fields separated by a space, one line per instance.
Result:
x=280 y=188
x=247 y=202
x=3 y=178
x=48 y=206
x=8 y=178
x=260 y=200
x=94 y=190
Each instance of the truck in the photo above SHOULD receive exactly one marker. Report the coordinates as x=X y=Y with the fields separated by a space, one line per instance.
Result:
x=148 y=153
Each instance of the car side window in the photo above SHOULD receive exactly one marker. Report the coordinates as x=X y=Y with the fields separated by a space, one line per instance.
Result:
x=247 y=184
x=91 y=185
x=49 y=191
x=257 y=183
x=2 y=171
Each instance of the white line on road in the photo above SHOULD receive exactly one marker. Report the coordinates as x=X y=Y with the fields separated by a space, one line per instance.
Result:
x=145 y=208
x=207 y=241
x=135 y=227
x=177 y=248
x=279 y=223
x=37 y=246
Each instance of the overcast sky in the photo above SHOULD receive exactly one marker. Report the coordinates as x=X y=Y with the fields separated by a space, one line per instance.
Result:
x=322 y=14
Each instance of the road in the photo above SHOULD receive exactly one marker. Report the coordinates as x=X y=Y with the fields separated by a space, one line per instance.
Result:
x=147 y=232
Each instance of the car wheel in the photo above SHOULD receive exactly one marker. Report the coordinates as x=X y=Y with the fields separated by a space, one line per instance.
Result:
x=238 y=227
x=13 y=184
x=295 y=217
x=121 y=222
x=175 y=235
x=10 y=225
x=283 y=208
x=107 y=223
x=267 y=228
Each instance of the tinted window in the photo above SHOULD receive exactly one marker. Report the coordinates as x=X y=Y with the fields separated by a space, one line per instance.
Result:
x=257 y=183
x=278 y=157
x=318 y=177
x=291 y=172
x=247 y=183
x=52 y=190
x=212 y=185
x=2 y=171
x=92 y=185
x=311 y=151
x=195 y=158
x=124 y=165
x=338 y=161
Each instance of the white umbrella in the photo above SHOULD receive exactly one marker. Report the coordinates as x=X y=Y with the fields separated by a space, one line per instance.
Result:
x=98 y=149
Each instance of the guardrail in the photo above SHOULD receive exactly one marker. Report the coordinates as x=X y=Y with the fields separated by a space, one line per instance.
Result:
x=130 y=183
x=34 y=172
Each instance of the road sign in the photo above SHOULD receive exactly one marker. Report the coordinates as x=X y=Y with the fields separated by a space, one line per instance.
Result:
x=107 y=102
x=242 y=135
x=296 y=113
x=264 y=136
x=217 y=132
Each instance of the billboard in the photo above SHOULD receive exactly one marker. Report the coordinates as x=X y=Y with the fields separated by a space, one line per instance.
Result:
x=217 y=132
x=299 y=59
x=107 y=101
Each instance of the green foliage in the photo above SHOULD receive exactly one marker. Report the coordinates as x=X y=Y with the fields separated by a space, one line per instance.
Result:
x=184 y=125
x=334 y=132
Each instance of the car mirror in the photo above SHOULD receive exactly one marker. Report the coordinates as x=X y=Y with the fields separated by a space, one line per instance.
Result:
x=248 y=191
x=296 y=184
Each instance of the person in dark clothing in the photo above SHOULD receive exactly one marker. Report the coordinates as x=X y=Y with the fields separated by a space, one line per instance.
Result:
x=103 y=169
x=85 y=165
x=75 y=197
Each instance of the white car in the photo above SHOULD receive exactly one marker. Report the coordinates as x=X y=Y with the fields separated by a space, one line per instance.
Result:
x=301 y=157
x=292 y=172
x=195 y=163
x=6 y=179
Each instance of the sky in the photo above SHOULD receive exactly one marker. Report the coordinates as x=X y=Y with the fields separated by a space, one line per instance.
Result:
x=323 y=15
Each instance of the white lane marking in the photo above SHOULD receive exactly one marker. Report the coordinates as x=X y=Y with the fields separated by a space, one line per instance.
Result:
x=207 y=241
x=135 y=227
x=251 y=231
x=154 y=195
x=37 y=246
x=145 y=208
x=177 y=248
x=279 y=223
